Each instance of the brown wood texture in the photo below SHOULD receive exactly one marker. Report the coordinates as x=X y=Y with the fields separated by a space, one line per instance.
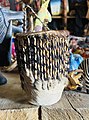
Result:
x=72 y=106
x=65 y=13
x=14 y=105
x=87 y=15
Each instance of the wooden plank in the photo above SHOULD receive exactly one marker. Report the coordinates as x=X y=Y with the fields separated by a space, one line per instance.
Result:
x=14 y=102
x=72 y=106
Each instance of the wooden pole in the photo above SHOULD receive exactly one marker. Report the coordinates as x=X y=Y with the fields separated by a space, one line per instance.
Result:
x=87 y=16
x=65 y=4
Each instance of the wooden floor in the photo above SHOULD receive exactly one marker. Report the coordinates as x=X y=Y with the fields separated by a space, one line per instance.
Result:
x=72 y=106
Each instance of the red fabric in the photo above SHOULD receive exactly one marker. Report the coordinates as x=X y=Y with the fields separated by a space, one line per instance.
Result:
x=18 y=6
x=5 y=3
x=0 y=0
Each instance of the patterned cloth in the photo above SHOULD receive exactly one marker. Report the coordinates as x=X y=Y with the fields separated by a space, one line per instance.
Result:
x=3 y=27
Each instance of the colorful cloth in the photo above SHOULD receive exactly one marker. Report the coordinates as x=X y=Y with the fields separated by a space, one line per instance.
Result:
x=74 y=61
